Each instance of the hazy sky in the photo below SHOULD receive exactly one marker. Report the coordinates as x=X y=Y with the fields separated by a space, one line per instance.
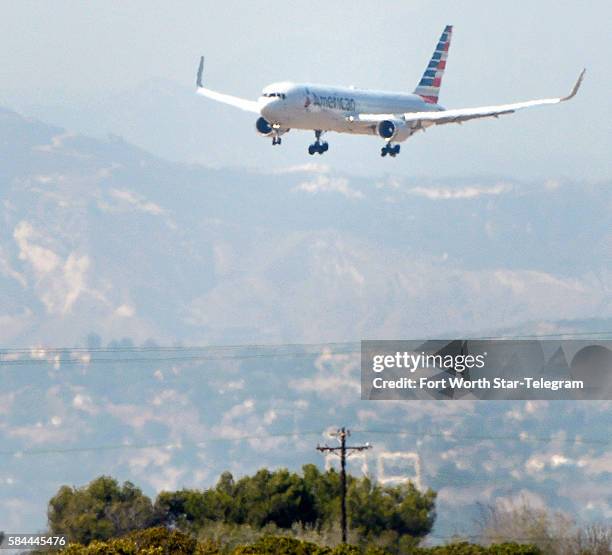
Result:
x=72 y=52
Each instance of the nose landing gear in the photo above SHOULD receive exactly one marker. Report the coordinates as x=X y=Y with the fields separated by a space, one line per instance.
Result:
x=392 y=151
x=318 y=146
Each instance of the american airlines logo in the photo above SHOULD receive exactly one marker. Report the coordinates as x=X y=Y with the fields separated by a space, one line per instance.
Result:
x=333 y=102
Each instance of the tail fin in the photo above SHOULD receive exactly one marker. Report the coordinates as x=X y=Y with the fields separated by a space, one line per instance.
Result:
x=429 y=87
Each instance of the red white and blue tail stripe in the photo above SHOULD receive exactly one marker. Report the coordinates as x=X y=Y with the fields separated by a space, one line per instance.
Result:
x=429 y=87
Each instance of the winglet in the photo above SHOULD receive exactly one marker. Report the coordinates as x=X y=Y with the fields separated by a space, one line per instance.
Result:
x=576 y=86
x=200 y=71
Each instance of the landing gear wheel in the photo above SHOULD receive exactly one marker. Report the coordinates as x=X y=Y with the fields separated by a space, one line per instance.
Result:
x=318 y=147
x=392 y=151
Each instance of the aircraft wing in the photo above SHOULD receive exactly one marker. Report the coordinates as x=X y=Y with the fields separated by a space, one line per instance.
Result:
x=426 y=119
x=243 y=104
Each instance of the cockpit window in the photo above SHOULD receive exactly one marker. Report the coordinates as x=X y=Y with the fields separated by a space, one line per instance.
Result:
x=275 y=95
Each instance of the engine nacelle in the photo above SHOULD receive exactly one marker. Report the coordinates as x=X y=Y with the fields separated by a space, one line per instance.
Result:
x=388 y=129
x=263 y=127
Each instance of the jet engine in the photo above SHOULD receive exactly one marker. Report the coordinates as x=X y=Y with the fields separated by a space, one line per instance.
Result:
x=395 y=130
x=388 y=129
x=263 y=127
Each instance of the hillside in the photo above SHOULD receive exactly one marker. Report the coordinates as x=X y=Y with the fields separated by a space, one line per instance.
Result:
x=104 y=244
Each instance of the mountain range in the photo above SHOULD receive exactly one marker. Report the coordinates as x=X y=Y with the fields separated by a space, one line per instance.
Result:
x=124 y=276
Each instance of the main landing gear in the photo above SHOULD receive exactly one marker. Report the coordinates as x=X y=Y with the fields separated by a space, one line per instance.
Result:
x=318 y=146
x=276 y=141
x=392 y=151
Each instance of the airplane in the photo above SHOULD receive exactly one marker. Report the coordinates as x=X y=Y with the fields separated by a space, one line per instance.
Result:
x=392 y=116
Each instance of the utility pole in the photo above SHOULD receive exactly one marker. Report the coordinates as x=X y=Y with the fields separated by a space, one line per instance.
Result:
x=344 y=450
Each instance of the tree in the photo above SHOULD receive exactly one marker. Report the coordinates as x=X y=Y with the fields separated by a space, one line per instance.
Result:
x=325 y=487
x=402 y=514
x=398 y=515
x=278 y=497
x=99 y=511
x=186 y=508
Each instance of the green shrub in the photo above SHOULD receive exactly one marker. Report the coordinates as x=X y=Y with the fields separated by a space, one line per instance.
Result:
x=152 y=541
x=282 y=545
x=465 y=548
x=161 y=541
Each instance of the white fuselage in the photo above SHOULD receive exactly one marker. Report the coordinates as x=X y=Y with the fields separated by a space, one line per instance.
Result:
x=328 y=108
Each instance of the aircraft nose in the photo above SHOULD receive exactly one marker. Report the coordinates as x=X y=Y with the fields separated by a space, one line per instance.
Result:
x=270 y=109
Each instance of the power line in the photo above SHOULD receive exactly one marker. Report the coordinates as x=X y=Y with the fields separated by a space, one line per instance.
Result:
x=566 y=335
x=45 y=353
x=450 y=436
x=154 y=348
x=322 y=345
x=117 y=360
x=183 y=445
x=158 y=445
